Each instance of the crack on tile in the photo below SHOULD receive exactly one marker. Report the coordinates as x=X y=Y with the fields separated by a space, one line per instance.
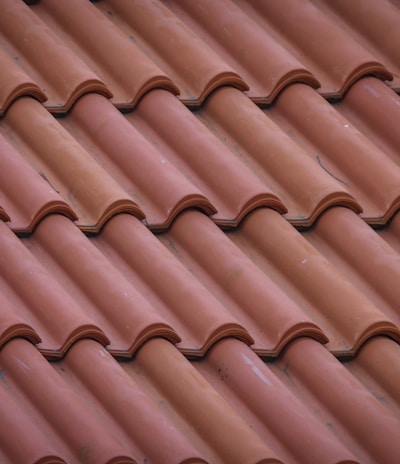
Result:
x=327 y=170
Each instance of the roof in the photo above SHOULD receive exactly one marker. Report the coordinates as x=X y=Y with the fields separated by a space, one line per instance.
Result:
x=199 y=231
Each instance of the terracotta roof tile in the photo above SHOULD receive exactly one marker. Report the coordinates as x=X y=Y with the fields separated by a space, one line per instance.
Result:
x=62 y=168
x=374 y=26
x=193 y=66
x=51 y=64
x=210 y=276
x=353 y=256
x=345 y=313
x=125 y=69
x=273 y=157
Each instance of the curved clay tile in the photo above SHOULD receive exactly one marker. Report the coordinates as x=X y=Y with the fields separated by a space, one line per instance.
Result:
x=273 y=157
x=375 y=25
x=375 y=110
x=141 y=169
x=193 y=66
x=99 y=291
x=195 y=400
x=254 y=54
x=340 y=149
x=377 y=366
x=15 y=83
x=345 y=314
x=125 y=69
x=92 y=193
x=195 y=151
x=317 y=42
x=37 y=300
x=366 y=260
x=58 y=424
x=26 y=196
x=61 y=75
x=11 y=325
x=358 y=419
x=270 y=317
x=167 y=160
x=123 y=405
x=194 y=313
x=281 y=419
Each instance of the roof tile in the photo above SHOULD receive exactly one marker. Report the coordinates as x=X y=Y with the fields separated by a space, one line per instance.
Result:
x=48 y=61
x=98 y=292
x=341 y=149
x=90 y=194
x=364 y=258
x=126 y=71
x=239 y=285
x=373 y=25
x=256 y=56
x=345 y=313
x=157 y=302
x=193 y=66
x=315 y=39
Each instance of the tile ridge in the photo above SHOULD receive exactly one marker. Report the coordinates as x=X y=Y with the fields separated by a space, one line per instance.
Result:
x=19 y=330
x=368 y=69
x=329 y=201
x=156 y=330
x=190 y=201
x=261 y=200
x=296 y=76
x=83 y=332
x=223 y=79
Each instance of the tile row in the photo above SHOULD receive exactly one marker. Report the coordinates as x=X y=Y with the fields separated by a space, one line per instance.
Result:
x=264 y=283
x=229 y=407
x=51 y=53
x=226 y=159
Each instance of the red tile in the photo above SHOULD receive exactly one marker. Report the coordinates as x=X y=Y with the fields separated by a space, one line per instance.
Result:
x=124 y=68
x=15 y=82
x=63 y=169
x=374 y=109
x=35 y=305
x=54 y=70
x=280 y=163
x=339 y=147
x=25 y=196
x=362 y=423
x=101 y=297
x=171 y=289
x=55 y=423
x=332 y=299
x=373 y=25
x=193 y=66
x=270 y=316
x=141 y=169
x=270 y=406
x=254 y=54
x=332 y=55
x=362 y=256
